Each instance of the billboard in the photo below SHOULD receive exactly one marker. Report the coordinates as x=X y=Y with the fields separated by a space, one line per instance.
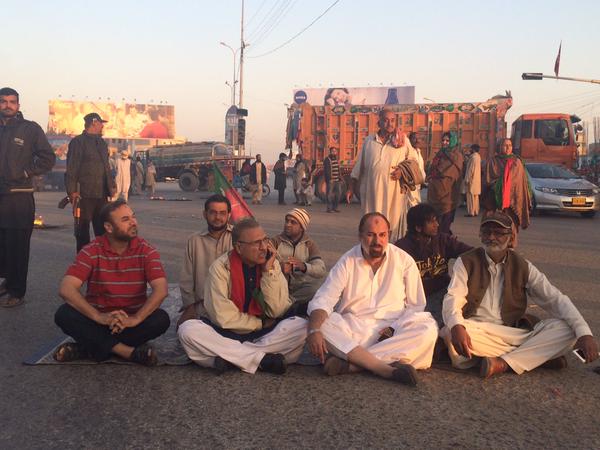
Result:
x=349 y=96
x=125 y=120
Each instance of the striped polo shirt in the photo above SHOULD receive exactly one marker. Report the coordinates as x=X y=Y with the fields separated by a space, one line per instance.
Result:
x=117 y=281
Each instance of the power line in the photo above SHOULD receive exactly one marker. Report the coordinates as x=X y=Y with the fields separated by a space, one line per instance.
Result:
x=256 y=12
x=267 y=17
x=276 y=21
x=299 y=33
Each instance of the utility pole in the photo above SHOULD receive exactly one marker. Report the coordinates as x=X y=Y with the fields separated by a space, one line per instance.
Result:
x=242 y=46
x=540 y=76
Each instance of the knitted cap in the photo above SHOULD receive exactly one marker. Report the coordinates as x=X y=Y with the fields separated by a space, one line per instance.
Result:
x=301 y=215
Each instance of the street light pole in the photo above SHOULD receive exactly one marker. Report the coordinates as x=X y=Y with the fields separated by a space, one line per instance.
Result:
x=539 y=76
x=234 y=81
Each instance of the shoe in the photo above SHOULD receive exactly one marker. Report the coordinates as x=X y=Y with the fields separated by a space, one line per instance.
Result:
x=70 y=351
x=336 y=210
x=144 y=355
x=492 y=366
x=11 y=302
x=335 y=366
x=329 y=211
x=222 y=365
x=273 y=363
x=404 y=373
x=556 y=363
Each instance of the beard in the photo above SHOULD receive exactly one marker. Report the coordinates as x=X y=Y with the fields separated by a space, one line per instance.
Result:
x=125 y=236
x=495 y=247
x=376 y=252
x=213 y=228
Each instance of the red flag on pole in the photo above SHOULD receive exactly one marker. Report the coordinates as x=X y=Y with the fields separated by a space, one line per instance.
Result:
x=557 y=62
x=239 y=208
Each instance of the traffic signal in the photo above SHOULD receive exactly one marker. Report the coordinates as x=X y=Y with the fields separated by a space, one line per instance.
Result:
x=241 y=131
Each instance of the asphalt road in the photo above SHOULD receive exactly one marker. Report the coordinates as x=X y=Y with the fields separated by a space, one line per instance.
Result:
x=108 y=406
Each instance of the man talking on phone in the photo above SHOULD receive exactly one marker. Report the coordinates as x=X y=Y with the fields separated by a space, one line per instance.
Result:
x=484 y=310
x=246 y=299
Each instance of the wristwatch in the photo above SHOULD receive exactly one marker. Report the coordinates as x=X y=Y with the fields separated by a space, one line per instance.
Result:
x=313 y=330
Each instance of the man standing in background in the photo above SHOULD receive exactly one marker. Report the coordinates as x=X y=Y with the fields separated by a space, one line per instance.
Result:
x=333 y=180
x=258 y=177
x=24 y=153
x=473 y=181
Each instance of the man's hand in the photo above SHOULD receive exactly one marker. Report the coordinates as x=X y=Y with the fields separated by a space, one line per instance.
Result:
x=396 y=173
x=268 y=265
x=317 y=346
x=349 y=195
x=110 y=318
x=588 y=345
x=461 y=341
x=74 y=197
x=124 y=322
x=296 y=264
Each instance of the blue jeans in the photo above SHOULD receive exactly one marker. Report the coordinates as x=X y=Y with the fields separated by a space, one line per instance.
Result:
x=334 y=193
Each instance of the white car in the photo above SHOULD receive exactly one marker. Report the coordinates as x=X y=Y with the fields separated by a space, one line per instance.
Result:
x=556 y=188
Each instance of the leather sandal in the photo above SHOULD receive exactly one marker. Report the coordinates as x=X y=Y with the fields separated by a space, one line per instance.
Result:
x=335 y=366
x=70 y=351
x=144 y=355
x=11 y=302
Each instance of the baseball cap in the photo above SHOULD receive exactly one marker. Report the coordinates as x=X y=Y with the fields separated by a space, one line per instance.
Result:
x=498 y=217
x=89 y=118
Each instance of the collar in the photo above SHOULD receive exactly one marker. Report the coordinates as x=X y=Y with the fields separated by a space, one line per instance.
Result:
x=105 y=244
x=491 y=262
x=284 y=238
x=228 y=229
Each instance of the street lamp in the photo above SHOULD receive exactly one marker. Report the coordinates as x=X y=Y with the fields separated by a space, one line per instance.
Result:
x=234 y=81
x=540 y=76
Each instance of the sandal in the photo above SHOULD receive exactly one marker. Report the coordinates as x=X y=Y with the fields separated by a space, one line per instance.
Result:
x=144 y=355
x=70 y=351
x=335 y=366
x=11 y=302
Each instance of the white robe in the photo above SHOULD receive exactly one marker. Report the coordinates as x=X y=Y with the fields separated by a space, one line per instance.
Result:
x=123 y=178
x=378 y=192
x=360 y=303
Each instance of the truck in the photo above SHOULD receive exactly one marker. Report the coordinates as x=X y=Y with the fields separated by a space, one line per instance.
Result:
x=549 y=137
x=191 y=163
x=313 y=129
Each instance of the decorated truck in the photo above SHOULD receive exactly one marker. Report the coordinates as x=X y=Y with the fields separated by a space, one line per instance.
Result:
x=191 y=163
x=312 y=130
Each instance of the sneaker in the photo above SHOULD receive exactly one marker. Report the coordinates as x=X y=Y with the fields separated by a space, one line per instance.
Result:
x=273 y=363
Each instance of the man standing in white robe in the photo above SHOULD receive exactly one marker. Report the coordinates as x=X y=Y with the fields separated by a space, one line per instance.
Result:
x=375 y=170
x=123 y=177
x=485 y=305
x=369 y=313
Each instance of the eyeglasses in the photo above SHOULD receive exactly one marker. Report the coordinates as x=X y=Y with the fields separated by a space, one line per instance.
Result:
x=499 y=233
x=257 y=243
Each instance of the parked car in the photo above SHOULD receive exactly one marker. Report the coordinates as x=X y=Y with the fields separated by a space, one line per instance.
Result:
x=556 y=188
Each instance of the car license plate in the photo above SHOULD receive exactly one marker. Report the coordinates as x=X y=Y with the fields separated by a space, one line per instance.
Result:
x=578 y=201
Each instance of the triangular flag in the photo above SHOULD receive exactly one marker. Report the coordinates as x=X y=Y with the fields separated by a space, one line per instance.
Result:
x=557 y=62
x=239 y=208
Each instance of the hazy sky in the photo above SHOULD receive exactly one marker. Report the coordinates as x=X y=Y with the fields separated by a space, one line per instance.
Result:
x=169 y=51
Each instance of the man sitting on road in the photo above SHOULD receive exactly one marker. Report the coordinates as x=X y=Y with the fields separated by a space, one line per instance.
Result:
x=246 y=297
x=432 y=252
x=202 y=249
x=484 y=310
x=301 y=259
x=369 y=312
x=115 y=316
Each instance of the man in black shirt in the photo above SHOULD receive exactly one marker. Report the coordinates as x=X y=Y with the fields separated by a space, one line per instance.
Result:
x=431 y=251
x=24 y=153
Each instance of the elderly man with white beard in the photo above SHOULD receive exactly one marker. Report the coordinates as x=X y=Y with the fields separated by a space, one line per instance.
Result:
x=484 y=310
x=369 y=313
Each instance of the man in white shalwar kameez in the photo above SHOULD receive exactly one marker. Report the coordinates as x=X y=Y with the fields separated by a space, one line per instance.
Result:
x=123 y=177
x=375 y=170
x=369 y=313
x=484 y=310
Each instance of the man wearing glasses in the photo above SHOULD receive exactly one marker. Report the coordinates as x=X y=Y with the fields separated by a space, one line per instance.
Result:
x=246 y=298
x=484 y=310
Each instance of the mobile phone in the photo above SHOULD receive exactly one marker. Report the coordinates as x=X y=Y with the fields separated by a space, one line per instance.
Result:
x=579 y=354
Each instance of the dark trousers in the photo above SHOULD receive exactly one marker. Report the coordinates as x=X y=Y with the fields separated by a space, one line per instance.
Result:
x=445 y=221
x=334 y=192
x=14 y=259
x=90 y=213
x=98 y=340
x=281 y=193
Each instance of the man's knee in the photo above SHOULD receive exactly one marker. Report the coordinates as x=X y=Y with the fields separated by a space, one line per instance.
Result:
x=159 y=320
x=66 y=315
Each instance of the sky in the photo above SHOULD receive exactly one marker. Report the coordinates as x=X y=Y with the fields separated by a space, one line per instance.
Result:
x=155 y=51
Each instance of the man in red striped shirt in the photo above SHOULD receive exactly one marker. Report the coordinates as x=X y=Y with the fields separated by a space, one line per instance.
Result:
x=115 y=316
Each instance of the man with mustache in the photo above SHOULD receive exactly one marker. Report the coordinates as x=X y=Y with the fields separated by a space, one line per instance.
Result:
x=246 y=300
x=202 y=249
x=369 y=313
x=484 y=310
x=115 y=317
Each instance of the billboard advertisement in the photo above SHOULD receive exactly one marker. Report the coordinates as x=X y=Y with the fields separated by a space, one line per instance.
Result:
x=125 y=120
x=349 y=96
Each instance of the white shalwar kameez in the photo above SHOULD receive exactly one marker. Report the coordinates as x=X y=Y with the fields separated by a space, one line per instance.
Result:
x=523 y=350
x=378 y=192
x=123 y=178
x=361 y=303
